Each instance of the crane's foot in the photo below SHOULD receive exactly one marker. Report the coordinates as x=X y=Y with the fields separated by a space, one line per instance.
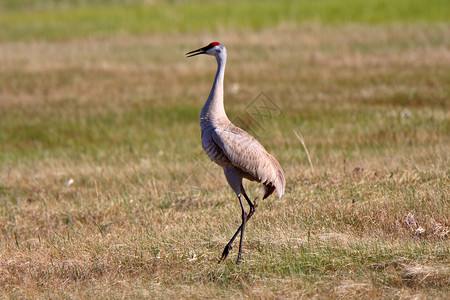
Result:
x=239 y=259
x=225 y=252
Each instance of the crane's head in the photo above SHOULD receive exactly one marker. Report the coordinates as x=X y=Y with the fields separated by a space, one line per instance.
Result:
x=214 y=48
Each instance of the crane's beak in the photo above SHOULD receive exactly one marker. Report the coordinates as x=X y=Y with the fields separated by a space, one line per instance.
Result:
x=197 y=52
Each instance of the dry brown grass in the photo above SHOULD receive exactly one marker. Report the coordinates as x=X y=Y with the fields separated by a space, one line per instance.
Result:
x=147 y=215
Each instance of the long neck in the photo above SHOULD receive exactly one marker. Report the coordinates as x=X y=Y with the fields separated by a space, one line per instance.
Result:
x=213 y=109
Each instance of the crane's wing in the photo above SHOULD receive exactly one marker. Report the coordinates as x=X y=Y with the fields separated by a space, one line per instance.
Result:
x=248 y=155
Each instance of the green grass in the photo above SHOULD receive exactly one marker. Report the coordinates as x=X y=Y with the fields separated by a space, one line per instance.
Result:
x=148 y=214
x=78 y=19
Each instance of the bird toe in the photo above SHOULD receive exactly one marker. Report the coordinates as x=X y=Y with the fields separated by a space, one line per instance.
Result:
x=225 y=252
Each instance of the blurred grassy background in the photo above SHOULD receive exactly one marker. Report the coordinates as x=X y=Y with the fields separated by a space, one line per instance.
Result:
x=54 y=19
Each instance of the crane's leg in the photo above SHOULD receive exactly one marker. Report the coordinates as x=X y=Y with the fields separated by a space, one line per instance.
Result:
x=228 y=247
x=252 y=206
x=244 y=220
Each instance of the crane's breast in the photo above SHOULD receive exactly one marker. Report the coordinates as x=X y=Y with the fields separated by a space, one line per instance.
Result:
x=214 y=152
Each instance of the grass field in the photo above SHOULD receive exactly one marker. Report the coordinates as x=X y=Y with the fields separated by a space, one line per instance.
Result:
x=92 y=95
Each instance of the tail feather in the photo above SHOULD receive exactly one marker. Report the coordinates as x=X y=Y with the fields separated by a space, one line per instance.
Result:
x=268 y=190
x=279 y=185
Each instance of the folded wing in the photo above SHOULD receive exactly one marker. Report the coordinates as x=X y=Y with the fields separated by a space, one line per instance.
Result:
x=248 y=155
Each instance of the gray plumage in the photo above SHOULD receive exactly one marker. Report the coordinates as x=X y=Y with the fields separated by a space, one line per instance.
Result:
x=237 y=152
x=233 y=148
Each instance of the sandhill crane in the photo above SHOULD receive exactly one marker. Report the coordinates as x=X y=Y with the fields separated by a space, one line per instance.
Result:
x=237 y=152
